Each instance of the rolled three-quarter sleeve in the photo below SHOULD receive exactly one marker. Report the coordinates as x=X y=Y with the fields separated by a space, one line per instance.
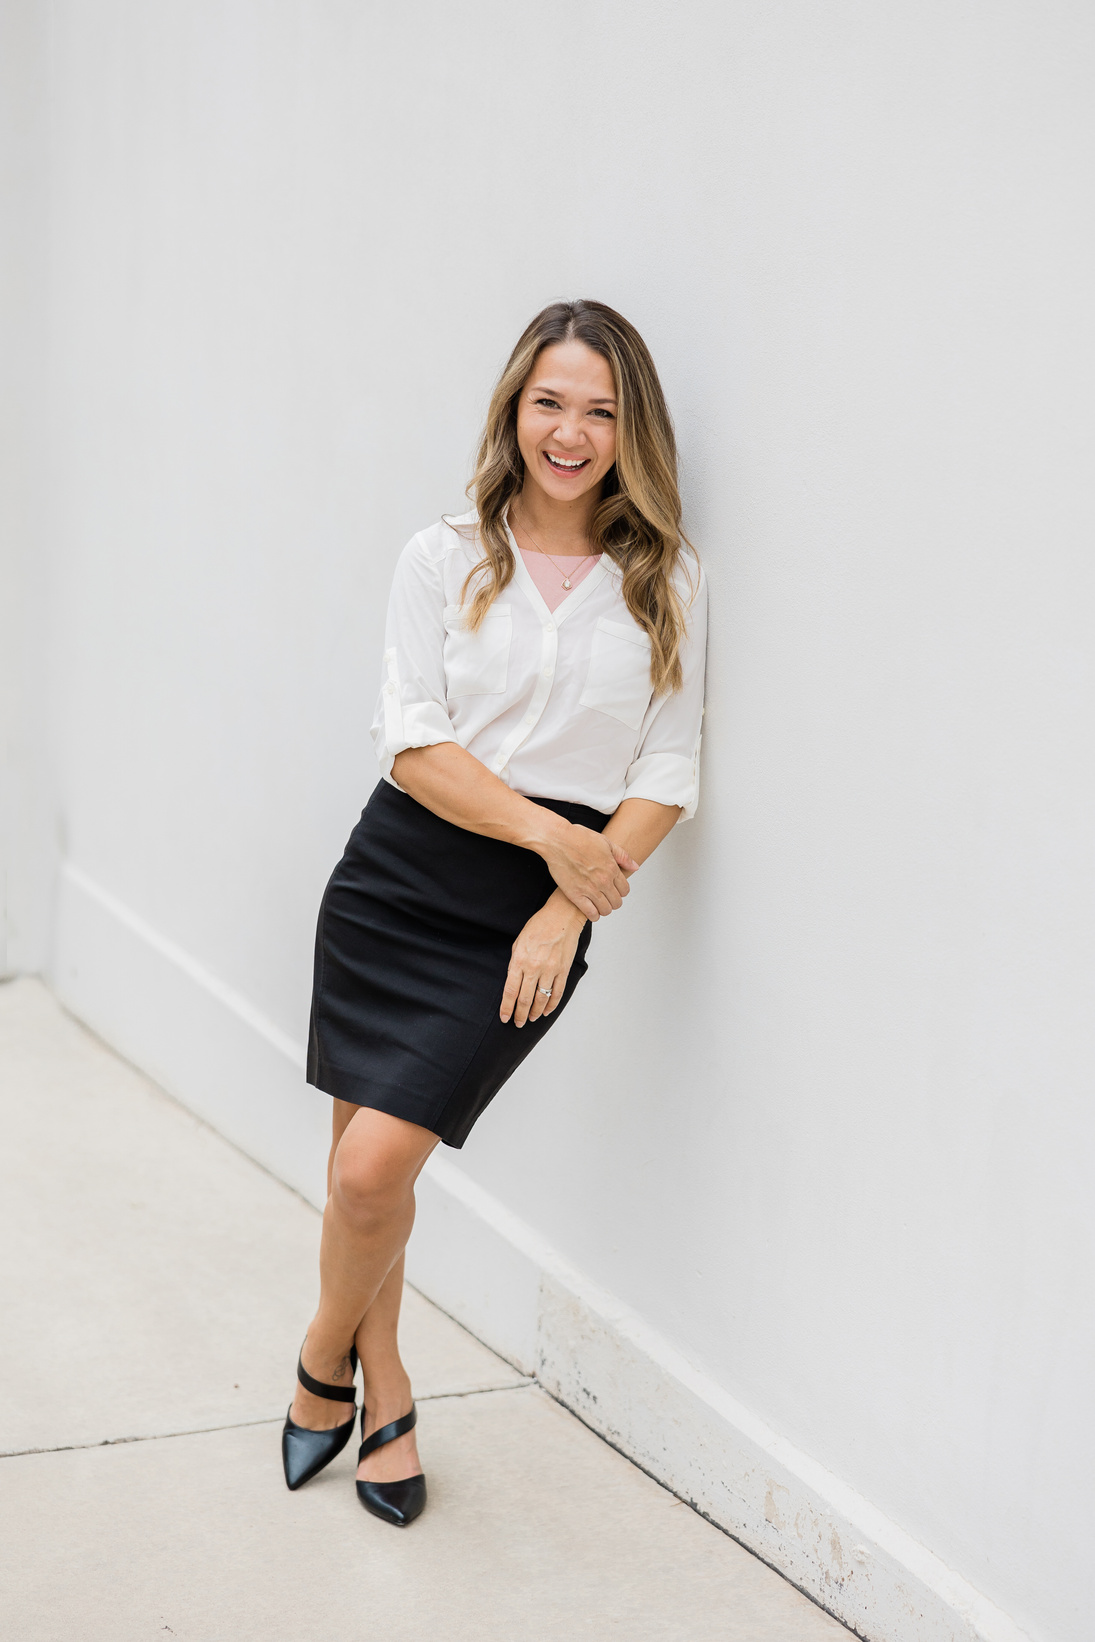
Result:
x=411 y=710
x=666 y=767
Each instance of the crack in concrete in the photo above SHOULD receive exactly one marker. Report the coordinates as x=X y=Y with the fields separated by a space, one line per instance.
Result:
x=237 y=1425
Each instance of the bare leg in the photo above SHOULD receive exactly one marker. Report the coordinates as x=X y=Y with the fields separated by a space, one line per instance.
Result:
x=387 y=1383
x=375 y=1161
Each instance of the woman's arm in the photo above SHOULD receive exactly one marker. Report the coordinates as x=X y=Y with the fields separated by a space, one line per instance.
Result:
x=544 y=950
x=590 y=868
x=639 y=825
x=664 y=771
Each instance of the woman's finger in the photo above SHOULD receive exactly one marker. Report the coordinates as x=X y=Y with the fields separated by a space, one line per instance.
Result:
x=525 y=999
x=557 y=984
x=536 y=1008
x=514 y=977
x=544 y=997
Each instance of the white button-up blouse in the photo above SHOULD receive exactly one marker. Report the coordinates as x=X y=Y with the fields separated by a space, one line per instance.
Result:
x=557 y=703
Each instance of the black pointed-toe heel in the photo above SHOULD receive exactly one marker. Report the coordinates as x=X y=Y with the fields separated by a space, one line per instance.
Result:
x=304 y=1453
x=395 y=1502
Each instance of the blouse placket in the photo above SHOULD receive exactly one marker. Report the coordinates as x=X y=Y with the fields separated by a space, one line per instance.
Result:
x=550 y=622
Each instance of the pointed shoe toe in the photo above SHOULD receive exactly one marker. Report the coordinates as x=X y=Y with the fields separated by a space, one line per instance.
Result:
x=304 y=1453
x=395 y=1502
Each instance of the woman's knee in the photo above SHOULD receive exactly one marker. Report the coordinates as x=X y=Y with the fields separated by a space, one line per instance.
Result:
x=375 y=1164
x=368 y=1192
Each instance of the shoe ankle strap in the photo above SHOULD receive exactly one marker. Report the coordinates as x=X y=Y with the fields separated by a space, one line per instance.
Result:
x=333 y=1393
x=386 y=1433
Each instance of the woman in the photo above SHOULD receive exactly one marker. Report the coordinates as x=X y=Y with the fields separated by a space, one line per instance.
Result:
x=538 y=734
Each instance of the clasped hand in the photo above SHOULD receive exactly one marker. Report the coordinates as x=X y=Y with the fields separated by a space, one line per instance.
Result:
x=591 y=874
x=590 y=870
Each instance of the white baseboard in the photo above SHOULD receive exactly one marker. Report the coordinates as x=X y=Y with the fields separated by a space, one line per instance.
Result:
x=219 y=1055
x=637 y=1391
x=200 y=1040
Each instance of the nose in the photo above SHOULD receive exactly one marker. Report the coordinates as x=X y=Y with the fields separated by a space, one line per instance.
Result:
x=569 y=430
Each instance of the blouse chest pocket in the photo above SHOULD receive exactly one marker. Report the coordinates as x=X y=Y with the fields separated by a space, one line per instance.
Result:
x=618 y=682
x=476 y=663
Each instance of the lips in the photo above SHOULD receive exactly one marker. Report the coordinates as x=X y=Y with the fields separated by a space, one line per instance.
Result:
x=566 y=465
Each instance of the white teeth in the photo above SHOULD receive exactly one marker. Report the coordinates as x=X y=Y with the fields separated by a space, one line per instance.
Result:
x=561 y=462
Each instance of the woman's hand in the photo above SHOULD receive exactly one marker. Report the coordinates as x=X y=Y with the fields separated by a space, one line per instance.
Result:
x=541 y=960
x=590 y=870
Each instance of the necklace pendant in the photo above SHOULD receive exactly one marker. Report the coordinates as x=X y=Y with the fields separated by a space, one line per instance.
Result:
x=566 y=581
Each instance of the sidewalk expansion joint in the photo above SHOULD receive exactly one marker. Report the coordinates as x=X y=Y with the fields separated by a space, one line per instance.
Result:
x=151 y=1436
x=236 y=1425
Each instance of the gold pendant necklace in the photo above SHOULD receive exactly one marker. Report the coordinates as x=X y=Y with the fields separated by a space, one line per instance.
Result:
x=565 y=575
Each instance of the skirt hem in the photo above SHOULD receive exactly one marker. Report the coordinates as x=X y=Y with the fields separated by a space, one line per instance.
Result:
x=357 y=1090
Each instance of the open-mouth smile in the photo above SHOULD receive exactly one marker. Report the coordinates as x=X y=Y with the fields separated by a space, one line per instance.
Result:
x=565 y=464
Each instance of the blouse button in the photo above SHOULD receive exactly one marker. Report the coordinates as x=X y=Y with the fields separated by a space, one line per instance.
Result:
x=551 y=627
x=389 y=689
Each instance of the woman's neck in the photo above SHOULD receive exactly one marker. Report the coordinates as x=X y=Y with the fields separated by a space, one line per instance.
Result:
x=550 y=526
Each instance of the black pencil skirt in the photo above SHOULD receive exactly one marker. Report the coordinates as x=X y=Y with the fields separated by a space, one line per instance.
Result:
x=413 y=945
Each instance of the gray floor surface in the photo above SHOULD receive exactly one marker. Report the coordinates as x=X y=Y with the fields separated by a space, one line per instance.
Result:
x=155 y=1287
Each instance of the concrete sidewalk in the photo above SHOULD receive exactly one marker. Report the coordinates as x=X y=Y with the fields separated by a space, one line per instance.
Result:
x=155 y=1288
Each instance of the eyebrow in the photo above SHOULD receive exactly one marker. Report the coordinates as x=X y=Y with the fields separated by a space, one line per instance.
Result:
x=545 y=387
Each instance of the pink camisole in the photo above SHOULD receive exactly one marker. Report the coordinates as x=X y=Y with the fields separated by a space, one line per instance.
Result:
x=549 y=577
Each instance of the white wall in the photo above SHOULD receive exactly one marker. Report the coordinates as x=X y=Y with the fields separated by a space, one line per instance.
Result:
x=27 y=854
x=820 y=1117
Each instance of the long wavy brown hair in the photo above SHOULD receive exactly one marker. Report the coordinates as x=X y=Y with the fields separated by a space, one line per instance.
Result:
x=637 y=521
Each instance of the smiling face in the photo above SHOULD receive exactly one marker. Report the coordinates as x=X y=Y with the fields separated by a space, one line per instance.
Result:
x=566 y=422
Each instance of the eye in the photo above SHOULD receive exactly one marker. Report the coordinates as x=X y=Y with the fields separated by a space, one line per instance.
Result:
x=552 y=404
x=600 y=411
